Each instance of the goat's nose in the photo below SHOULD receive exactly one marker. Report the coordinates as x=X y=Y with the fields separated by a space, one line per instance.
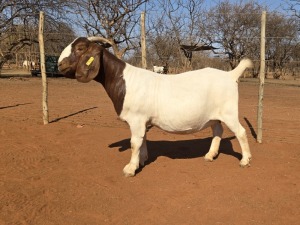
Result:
x=60 y=66
x=61 y=63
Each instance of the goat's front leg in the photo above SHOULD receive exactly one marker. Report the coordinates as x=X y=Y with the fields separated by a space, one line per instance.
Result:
x=137 y=141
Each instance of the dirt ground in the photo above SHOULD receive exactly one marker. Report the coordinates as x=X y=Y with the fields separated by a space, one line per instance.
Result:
x=69 y=172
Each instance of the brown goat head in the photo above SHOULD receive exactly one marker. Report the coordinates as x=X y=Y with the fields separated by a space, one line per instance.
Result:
x=80 y=60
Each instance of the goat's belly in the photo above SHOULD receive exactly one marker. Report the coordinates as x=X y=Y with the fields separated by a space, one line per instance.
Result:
x=182 y=127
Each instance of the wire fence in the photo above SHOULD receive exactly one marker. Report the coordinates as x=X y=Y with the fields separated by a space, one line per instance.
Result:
x=162 y=51
x=179 y=62
x=290 y=70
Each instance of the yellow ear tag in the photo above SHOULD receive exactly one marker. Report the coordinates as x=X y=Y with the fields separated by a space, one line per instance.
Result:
x=91 y=59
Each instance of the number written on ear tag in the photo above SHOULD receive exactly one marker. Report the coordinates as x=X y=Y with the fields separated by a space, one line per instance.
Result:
x=91 y=59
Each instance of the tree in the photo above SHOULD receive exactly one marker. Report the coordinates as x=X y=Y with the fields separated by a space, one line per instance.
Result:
x=294 y=7
x=282 y=40
x=19 y=22
x=176 y=24
x=235 y=29
x=114 y=21
x=162 y=44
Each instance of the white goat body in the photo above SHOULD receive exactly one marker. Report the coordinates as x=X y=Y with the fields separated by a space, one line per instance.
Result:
x=181 y=103
x=28 y=64
x=158 y=69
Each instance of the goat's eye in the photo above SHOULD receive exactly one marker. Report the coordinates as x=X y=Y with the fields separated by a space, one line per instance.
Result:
x=80 y=49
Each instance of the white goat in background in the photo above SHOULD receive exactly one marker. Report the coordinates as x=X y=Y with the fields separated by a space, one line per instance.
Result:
x=28 y=64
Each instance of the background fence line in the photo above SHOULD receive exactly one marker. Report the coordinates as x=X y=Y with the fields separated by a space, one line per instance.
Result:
x=201 y=60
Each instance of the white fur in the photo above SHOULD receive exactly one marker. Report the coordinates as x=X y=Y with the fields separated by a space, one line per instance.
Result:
x=158 y=69
x=28 y=64
x=182 y=103
x=65 y=53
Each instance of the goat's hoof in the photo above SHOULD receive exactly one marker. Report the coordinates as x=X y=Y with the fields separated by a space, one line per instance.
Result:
x=129 y=170
x=245 y=163
x=209 y=157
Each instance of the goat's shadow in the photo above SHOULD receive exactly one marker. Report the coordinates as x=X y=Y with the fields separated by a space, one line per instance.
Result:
x=72 y=114
x=183 y=149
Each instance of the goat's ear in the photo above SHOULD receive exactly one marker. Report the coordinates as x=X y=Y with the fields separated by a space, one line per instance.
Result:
x=89 y=64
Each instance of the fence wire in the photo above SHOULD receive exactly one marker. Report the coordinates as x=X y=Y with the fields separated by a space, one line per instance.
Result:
x=272 y=129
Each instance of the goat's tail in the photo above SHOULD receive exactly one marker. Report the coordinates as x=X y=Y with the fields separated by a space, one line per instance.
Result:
x=238 y=71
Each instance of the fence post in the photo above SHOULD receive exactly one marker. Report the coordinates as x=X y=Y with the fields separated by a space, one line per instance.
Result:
x=43 y=69
x=261 y=77
x=143 y=41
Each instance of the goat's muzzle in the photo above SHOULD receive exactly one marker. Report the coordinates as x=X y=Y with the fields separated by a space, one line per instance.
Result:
x=66 y=69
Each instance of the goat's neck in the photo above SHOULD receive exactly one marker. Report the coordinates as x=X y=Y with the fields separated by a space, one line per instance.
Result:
x=111 y=77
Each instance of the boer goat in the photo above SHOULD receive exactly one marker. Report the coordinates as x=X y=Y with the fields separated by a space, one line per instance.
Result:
x=182 y=103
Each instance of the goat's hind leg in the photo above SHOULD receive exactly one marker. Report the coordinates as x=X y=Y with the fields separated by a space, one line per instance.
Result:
x=241 y=135
x=243 y=140
x=215 y=143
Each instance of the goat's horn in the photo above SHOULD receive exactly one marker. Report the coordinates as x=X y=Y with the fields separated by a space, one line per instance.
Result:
x=99 y=39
